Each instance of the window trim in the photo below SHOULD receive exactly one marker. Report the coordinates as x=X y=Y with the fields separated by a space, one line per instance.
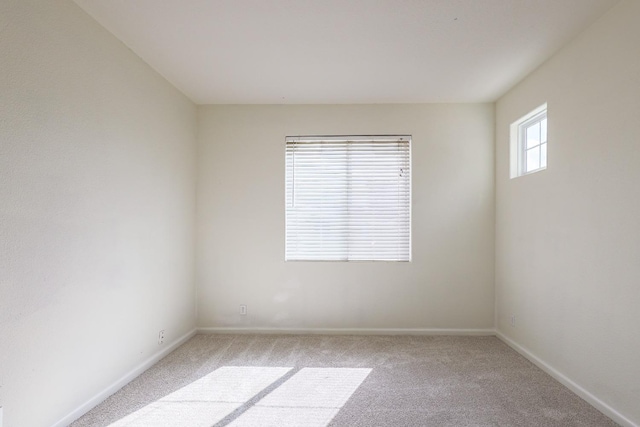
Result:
x=518 y=141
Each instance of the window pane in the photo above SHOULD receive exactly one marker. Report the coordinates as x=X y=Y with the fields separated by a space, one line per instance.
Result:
x=533 y=135
x=543 y=156
x=543 y=131
x=533 y=159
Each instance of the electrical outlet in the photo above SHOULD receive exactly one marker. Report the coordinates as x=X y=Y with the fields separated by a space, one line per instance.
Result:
x=243 y=309
x=161 y=337
x=513 y=320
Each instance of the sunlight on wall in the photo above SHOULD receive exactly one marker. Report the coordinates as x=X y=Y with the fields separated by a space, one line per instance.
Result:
x=311 y=397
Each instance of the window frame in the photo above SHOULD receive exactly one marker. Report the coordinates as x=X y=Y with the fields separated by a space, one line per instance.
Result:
x=518 y=142
x=347 y=139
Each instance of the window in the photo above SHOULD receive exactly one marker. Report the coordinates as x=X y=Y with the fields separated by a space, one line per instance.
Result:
x=348 y=198
x=529 y=143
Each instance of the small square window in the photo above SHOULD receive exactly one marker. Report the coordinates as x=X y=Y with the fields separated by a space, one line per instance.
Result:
x=529 y=143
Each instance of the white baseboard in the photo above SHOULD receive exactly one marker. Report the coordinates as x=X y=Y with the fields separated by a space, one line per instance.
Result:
x=569 y=383
x=124 y=380
x=346 y=331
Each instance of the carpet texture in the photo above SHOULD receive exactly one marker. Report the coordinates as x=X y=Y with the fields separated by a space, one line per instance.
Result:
x=413 y=381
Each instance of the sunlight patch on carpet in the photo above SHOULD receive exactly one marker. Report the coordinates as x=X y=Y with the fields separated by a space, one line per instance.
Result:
x=310 y=398
x=207 y=400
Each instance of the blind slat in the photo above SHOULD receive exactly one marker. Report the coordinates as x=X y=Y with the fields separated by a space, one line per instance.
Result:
x=348 y=198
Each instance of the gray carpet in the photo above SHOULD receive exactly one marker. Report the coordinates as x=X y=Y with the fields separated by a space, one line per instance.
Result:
x=414 y=381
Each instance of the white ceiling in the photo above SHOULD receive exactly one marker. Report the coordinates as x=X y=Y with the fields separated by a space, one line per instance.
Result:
x=344 y=51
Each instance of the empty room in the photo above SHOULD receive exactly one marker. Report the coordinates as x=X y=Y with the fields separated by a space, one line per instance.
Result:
x=319 y=213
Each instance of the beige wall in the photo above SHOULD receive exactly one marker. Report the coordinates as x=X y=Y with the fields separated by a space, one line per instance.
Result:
x=97 y=178
x=568 y=238
x=449 y=283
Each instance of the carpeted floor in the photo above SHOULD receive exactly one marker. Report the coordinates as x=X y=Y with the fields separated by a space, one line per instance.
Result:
x=362 y=381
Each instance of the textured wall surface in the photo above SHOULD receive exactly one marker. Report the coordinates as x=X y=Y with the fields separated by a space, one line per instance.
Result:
x=241 y=222
x=97 y=179
x=567 y=240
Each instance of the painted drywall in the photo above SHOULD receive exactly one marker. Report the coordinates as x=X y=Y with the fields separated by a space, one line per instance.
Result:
x=97 y=210
x=567 y=238
x=241 y=222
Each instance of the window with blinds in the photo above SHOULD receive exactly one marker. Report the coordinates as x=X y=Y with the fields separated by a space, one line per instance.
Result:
x=348 y=198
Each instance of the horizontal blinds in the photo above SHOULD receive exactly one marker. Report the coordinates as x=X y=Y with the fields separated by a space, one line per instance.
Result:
x=348 y=199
